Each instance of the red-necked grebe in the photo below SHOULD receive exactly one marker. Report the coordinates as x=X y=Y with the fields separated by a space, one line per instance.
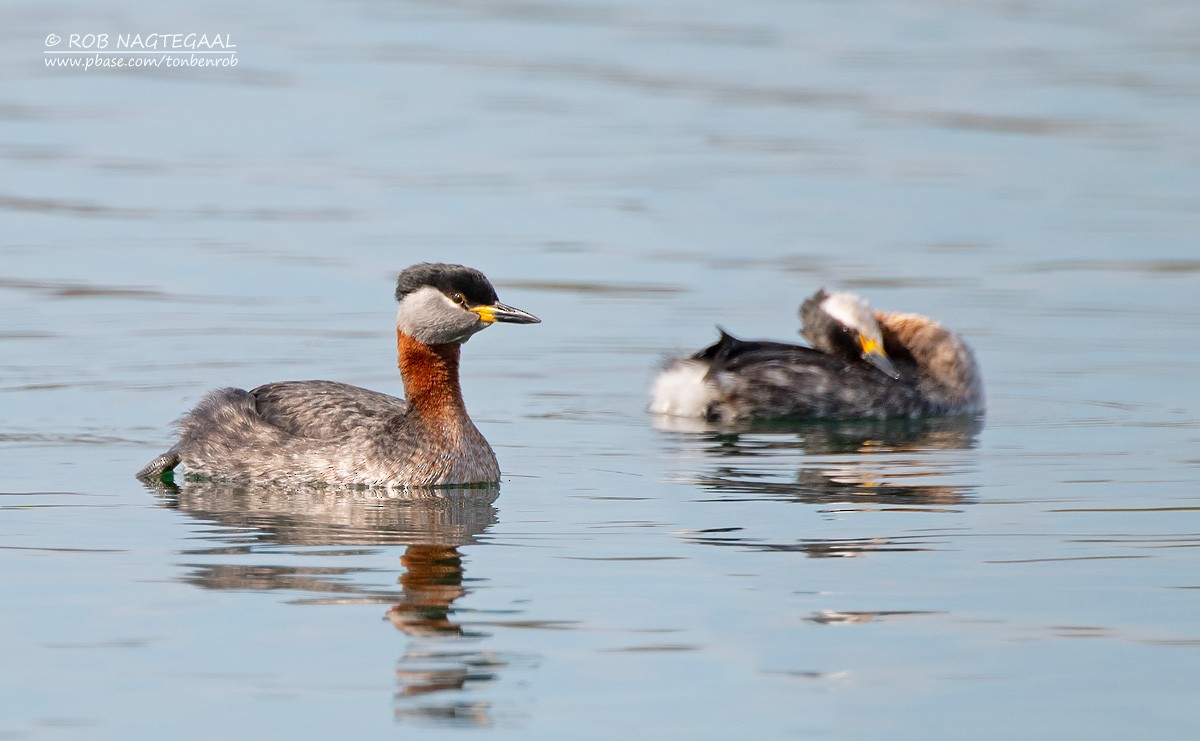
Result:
x=862 y=364
x=327 y=432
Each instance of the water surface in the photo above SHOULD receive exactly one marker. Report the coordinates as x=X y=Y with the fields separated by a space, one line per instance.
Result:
x=634 y=175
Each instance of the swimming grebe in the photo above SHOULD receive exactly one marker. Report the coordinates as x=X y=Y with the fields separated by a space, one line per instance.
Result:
x=862 y=364
x=327 y=432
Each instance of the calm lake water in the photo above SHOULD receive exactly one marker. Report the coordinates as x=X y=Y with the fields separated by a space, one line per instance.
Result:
x=634 y=174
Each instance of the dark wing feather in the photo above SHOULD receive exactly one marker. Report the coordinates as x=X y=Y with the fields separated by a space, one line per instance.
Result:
x=729 y=354
x=323 y=409
x=776 y=379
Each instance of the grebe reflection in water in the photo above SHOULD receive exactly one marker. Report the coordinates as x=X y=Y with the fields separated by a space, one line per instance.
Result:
x=322 y=431
x=861 y=364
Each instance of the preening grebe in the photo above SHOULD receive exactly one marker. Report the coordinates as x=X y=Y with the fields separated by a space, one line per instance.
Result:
x=327 y=432
x=861 y=364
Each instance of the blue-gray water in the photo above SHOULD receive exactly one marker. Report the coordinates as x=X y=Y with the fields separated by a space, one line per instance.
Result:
x=635 y=174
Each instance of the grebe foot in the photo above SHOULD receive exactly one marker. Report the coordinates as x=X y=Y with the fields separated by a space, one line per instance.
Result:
x=160 y=468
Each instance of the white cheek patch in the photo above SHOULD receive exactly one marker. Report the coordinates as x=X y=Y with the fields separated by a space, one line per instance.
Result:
x=851 y=311
x=429 y=316
x=847 y=308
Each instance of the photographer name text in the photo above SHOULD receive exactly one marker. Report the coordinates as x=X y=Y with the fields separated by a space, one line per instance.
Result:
x=138 y=42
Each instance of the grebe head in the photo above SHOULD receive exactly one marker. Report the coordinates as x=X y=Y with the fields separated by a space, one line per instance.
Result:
x=442 y=304
x=842 y=324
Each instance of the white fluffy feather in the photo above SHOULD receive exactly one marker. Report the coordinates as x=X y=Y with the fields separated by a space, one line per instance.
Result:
x=682 y=390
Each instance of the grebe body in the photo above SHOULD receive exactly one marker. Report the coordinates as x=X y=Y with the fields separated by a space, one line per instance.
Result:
x=860 y=364
x=335 y=433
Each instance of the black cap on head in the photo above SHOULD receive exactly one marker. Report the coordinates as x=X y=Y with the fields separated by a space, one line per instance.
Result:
x=448 y=279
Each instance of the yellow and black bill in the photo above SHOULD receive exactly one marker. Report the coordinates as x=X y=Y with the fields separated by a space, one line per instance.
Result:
x=499 y=312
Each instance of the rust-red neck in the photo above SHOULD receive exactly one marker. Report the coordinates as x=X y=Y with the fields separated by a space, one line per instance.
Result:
x=430 y=374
